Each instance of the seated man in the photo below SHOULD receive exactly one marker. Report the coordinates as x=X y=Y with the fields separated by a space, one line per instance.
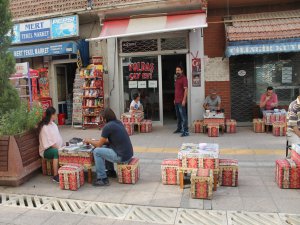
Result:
x=136 y=105
x=293 y=122
x=212 y=102
x=268 y=100
x=120 y=148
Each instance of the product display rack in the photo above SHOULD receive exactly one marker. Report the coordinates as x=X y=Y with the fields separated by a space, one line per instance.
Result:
x=77 y=101
x=93 y=96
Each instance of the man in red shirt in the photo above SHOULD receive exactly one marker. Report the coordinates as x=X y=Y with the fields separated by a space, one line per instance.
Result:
x=268 y=100
x=180 y=101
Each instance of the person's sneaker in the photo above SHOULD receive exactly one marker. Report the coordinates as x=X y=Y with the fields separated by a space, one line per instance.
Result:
x=185 y=134
x=101 y=182
x=177 y=131
x=111 y=173
x=55 y=178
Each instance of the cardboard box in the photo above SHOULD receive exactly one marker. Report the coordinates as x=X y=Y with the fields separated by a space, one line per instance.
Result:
x=71 y=177
x=202 y=184
x=287 y=173
x=129 y=173
x=228 y=172
x=258 y=126
x=170 y=171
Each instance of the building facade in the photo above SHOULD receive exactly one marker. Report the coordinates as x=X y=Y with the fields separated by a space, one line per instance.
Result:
x=142 y=58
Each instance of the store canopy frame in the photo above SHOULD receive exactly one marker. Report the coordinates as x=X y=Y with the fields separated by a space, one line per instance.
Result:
x=151 y=25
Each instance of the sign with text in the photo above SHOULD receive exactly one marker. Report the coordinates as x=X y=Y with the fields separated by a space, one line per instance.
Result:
x=45 y=29
x=22 y=68
x=141 y=71
x=196 y=72
x=44 y=50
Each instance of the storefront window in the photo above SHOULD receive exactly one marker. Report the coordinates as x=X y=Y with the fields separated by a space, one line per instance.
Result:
x=280 y=71
x=140 y=75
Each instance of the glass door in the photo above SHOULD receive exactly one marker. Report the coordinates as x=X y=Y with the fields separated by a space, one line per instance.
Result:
x=141 y=75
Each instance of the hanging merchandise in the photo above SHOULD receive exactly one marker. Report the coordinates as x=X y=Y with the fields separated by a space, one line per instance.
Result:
x=77 y=100
x=93 y=96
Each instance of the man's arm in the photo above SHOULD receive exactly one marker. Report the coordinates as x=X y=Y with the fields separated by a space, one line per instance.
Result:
x=102 y=141
x=263 y=101
x=219 y=103
x=275 y=103
x=184 y=96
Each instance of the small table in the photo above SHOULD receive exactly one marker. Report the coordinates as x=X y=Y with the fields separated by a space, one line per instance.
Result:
x=77 y=154
x=216 y=118
x=270 y=116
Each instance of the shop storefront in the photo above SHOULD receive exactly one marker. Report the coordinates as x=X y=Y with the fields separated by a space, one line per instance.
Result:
x=256 y=63
x=142 y=57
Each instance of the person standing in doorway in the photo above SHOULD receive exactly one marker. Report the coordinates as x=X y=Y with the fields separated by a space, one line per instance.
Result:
x=180 y=101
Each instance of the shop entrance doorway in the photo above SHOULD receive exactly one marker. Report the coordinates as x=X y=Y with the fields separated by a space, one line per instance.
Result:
x=169 y=63
x=65 y=75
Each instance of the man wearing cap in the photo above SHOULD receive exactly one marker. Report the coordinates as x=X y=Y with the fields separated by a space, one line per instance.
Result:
x=213 y=101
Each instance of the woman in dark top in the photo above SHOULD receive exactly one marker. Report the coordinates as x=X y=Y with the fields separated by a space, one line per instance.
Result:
x=120 y=148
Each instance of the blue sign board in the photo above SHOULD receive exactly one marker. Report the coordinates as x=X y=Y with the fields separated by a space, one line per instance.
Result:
x=60 y=48
x=46 y=29
x=262 y=48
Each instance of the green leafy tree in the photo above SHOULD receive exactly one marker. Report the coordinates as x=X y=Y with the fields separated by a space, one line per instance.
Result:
x=9 y=99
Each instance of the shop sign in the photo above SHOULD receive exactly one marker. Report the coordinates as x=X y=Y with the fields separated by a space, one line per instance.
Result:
x=142 y=84
x=141 y=70
x=262 y=48
x=45 y=29
x=22 y=68
x=152 y=83
x=61 y=48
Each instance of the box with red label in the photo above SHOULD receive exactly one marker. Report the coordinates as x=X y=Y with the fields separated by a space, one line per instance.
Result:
x=198 y=126
x=287 y=173
x=146 y=126
x=198 y=161
x=279 y=129
x=295 y=156
x=135 y=117
x=258 y=126
x=202 y=182
x=129 y=128
x=80 y=156
x=170 y=171
x=228 y=172
x=47 y=167
x=71 y=177
x=129 y=173
x=213 y=130
x=231 y=126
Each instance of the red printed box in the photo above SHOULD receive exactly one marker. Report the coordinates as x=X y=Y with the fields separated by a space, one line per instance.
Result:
x=129 y=173
x=198 y=126
x=129 y=128
x=231 y=126
x=228 y=172
x=258 y=126
x=295 y=156
x=213 y=130
x=287 y=173
x=146 y=126
x=47 y=167
x=170 y=171
x=202 y=182
x=82 y=157
x=71 y=177
x=279 y=129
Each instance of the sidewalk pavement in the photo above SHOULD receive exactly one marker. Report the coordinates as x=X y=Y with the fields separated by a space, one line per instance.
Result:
x=257 y=190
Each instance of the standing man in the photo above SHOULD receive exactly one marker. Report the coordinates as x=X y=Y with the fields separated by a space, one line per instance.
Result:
x=293 y=131
x=268 y=100
x=180 y=101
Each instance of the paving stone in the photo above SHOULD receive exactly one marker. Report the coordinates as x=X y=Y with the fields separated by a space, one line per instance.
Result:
x=250 y=181
x=207 y=204
x=288 y=205
x=259 y=204
x=242 y=218
x=290 y=219
x=253 y=191
x=65 y=219
x=227 y=191
x=89 y=220
x=138 y=197
x=33 y=217
x=8 y=214
x=164 y=199
x=227 y=203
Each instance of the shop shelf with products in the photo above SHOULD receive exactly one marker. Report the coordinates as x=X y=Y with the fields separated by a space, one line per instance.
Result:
x=93 y=96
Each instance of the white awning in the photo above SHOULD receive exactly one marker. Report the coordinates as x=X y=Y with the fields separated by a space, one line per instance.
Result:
x=151 y=25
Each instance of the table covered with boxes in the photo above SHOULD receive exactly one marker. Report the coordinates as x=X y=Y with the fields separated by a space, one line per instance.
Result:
x=200 y=165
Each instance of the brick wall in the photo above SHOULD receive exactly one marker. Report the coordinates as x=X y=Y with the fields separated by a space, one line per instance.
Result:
x=223 y=89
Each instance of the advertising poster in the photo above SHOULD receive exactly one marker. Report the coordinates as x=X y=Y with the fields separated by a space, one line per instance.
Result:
x=196 y=72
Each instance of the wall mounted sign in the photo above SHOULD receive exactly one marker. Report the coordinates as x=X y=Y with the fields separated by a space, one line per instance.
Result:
x=60 y=48
x=142 y=84
x=287 y=75
x=196 y=71
x=152 y=83
x=132 y=84
x=141 y=70
x=242 y=73
x=56 y=28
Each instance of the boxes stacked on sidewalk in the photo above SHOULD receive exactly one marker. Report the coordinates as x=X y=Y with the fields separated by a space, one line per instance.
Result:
x=230 y=126
x=202 y=164
x=198 y=126
x=258 y=126
x=129 y=173
x=287 y=173
x=137 y=118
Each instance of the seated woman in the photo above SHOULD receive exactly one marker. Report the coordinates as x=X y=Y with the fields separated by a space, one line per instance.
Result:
x=50 y=140
x=114 y=146
x=136 y=105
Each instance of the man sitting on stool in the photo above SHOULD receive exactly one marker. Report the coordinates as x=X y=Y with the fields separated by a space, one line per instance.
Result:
x=268 y=100
x=213 y=101
x=293 y=131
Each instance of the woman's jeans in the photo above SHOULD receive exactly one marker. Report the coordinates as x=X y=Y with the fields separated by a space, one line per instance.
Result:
x=101 y=155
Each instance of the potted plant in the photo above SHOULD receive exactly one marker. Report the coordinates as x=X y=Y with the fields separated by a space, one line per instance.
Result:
x=19 y=145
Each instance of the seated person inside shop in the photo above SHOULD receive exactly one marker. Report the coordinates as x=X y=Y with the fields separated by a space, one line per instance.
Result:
x=212 y=102
x=50 y=140
x=268 y=100
x=135 y=105
x=293 y=122
x=113 y=146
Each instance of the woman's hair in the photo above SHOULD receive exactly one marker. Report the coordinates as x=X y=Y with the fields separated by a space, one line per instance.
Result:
x=46 y=119
x=109 y=115
x=135 y=96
